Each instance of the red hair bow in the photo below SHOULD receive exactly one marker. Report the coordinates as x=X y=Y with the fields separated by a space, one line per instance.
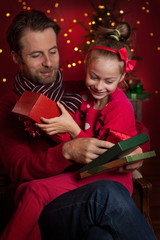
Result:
x=129 y=64
x=122 y=52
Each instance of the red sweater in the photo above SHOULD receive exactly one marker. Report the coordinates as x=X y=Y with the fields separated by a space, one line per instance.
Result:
x=24 y=157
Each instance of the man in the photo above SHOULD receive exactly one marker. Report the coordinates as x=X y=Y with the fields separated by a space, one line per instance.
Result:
x=32 y=38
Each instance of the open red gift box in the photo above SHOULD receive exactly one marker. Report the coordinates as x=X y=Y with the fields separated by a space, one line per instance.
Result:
x=32 y=106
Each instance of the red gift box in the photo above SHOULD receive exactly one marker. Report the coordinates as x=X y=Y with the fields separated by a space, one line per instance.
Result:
x=32 y=106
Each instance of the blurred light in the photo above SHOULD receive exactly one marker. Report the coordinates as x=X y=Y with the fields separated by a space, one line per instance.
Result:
x=76 y=49
x=23 y=3
x=158 y=48
x=55 y=20
x=156 y=91
x=69 y=65
x=132 y=50
x=121 y=11
x=113 y=24
x=86 y=14
x=56 y=5
x=147 y=3
x=88 y=42
x=65 y=34
x=90 y=23
x=108 y=14
x=147 y=11
x=24 y=7
x=28 y=8
x=62 y=19
x=74 y=20
x=68 y=41
x=100 y=19
x=79 y=61
x=1 y=50
x=74 y=64
x=48 y=11
x=138 y=22
x=151 y=34
x=143 y=8
x=4 y=80
x=93 y=22
x=93 y=40
x=8 y=14
x=70 y=30
x=101 y=7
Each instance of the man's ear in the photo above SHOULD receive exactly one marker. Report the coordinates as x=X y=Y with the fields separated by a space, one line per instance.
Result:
x=15 y=57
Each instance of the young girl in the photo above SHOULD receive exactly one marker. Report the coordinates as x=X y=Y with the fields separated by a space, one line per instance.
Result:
x=105 y=113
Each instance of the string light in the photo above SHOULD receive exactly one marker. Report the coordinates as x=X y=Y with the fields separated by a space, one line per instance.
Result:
x=70 y=30
x=56 y=5
x=151 y=34
x=8 y=14
x=76 y=49
x=74 y=64
x=101 y=7
x=4 y=80
x=68 y=41
x=69 y=65
x=48 y=11
x=121 y=11
x=86 y=14
x=108 y=14
x=1 y=50
x=62 y=19
x=74 y=20
x=138 y=22
x=65 y=34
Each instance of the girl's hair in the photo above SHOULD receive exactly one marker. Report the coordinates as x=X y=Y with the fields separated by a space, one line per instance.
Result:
x=112 y=38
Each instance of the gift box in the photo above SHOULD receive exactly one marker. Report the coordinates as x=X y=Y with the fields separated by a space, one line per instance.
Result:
x=32 y=106
x=35 y=105
x=116 y=152
x=141 y=96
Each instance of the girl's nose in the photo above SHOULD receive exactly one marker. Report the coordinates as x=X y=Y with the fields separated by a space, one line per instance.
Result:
x=99 y=85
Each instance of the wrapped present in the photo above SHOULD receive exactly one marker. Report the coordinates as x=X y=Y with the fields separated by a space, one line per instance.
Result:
x=117 y=151
x=31 y=106
x=117 y=163
x=141 y=96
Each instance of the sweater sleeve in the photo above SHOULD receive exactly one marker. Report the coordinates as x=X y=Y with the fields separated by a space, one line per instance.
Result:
x=24 y=157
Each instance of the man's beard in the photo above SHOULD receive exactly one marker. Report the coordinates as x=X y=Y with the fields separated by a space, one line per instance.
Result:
x=39 y=80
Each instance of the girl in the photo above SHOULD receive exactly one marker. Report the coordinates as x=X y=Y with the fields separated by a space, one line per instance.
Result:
x=105 y=113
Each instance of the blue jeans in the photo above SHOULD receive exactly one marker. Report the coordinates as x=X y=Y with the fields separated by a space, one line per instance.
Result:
x=99 y=210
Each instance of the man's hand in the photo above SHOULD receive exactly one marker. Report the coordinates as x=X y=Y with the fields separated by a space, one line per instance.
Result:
x=84 y=150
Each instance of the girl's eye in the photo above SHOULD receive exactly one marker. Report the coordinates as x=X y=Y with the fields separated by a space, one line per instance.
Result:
x=93 y=77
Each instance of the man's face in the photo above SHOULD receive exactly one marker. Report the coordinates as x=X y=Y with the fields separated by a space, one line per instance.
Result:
x=39 y=61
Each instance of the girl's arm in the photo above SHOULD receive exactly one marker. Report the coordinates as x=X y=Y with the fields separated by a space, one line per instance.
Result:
x=64 y=123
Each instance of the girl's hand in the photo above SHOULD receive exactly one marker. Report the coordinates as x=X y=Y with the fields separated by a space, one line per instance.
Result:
x=62 y=124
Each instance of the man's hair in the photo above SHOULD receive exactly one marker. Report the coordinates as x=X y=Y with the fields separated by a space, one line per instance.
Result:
x=34 y=20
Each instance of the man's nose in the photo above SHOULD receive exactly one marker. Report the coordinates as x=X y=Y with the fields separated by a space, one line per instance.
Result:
x=47 y=61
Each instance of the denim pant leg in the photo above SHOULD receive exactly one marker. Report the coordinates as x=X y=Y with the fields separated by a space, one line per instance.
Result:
x=104 y=203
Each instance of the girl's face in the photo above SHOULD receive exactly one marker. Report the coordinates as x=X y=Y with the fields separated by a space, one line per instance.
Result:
x=102 y=77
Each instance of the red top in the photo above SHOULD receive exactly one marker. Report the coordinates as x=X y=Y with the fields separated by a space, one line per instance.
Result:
x=24 y=157
x=114 y=123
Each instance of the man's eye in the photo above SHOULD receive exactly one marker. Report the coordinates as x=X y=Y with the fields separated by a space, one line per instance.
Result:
x=35 y=55
x=53 y=52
